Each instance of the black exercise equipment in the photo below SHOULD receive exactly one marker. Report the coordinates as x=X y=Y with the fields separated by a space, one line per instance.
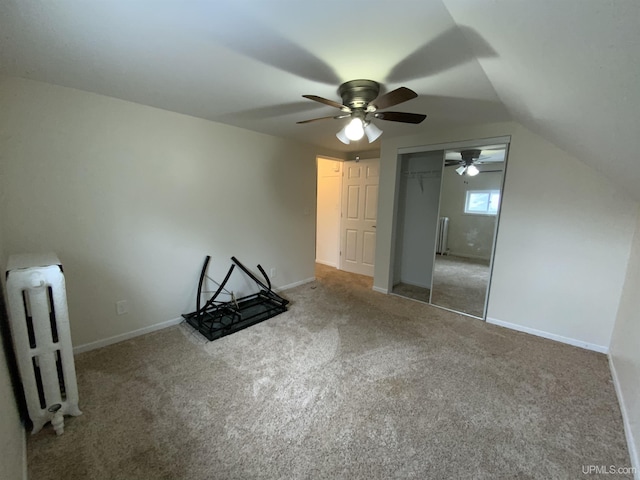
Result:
x=216 y=319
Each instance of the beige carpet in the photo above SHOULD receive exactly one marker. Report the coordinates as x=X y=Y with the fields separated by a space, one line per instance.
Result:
x=460 y=284
x=349 y=384
x=412 y=291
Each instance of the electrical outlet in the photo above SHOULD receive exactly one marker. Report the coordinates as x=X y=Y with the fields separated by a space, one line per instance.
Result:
x=122 y=307
x=272 y=273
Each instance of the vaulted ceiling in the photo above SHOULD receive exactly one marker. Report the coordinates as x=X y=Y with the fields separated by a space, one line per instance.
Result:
x=568 y=70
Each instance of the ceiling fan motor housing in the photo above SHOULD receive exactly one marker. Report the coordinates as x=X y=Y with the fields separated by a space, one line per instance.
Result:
x=470 y=155
x=357 y=94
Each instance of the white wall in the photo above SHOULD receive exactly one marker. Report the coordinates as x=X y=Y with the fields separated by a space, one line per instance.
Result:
x=418 y=217
x=328 y=212
x=12 y=434
x=563 y=241
x=625 y=354
x=469 y=235
x=132 y=198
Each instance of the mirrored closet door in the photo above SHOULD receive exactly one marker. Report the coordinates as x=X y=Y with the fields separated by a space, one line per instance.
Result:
x=447 y=215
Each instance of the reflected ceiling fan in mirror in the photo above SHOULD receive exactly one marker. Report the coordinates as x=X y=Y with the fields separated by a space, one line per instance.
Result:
x=467 y=162
x=361 y=103
x=470 y=159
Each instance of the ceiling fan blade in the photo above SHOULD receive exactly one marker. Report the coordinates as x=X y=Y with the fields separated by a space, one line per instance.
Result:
x=325 y=118
x=326 y=101
x=394 y=97
x=400 y=117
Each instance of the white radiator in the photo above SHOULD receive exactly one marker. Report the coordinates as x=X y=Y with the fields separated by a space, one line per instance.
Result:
x=443 y=234
x=39 y=322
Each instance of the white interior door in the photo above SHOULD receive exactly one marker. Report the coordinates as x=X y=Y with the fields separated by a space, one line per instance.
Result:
x=359 y=216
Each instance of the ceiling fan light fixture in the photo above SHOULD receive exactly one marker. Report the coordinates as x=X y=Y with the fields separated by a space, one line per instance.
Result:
x=355 y=129
x=472 y=170
x=372 y=132
x=360 y=98
x=460 y=170
x=342 y=136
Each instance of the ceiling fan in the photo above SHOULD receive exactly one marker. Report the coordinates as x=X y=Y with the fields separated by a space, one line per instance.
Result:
x=469 y=159
x=360 y=102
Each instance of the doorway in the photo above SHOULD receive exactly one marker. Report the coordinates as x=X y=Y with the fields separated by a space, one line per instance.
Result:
x=328 y=207
x=347 y=211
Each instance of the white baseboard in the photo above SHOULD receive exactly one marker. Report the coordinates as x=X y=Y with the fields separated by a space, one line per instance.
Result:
x=158 y=326
x=633 y=448
x=294 y=284
x=381 y=290
x=328 y=264
x=126 y=336
x=550 y=336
